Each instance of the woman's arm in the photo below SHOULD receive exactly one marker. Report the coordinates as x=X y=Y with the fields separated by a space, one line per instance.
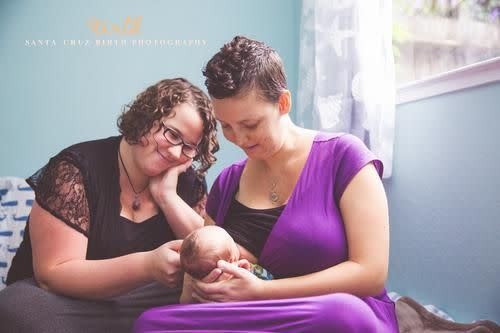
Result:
x=60 y=266
x=365 y=214
x=180 y=216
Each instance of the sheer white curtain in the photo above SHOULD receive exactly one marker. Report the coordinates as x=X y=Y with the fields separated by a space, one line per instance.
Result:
x=346 y=75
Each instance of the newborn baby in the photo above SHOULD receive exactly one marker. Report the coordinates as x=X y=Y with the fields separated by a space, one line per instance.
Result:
x=203 y=248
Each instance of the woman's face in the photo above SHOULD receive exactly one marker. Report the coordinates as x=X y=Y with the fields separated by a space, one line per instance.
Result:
x=251 y=123
x=157 y=154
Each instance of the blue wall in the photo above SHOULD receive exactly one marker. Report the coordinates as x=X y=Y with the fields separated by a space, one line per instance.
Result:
x=445 y=205
x=443 y=196
x=55 y=96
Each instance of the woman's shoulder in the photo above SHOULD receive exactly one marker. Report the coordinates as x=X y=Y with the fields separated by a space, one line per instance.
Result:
x=232 y=169
x=85 y=158
x=324 y=137
x=339 y=141
x=92 y=152
x=343 y=150
x=229 y=175
x=94 y=146
x=223 y=184
x=236 y=166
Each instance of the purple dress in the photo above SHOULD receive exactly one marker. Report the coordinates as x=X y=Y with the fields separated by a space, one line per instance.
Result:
x=309 y=236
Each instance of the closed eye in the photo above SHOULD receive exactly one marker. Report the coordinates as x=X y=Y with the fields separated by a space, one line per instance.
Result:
x=173 y=135
x=251 y=126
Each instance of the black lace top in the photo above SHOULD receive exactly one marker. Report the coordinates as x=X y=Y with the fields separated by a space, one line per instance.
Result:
x=80 y=186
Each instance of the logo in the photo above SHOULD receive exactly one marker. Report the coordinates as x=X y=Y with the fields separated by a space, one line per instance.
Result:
x=114 y=34
x=130 y=26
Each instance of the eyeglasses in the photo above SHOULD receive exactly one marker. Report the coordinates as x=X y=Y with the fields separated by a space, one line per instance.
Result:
x=175 y=139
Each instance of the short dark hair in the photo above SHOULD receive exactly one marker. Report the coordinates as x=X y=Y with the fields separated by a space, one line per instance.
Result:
x=158 y=101
x=244 y=64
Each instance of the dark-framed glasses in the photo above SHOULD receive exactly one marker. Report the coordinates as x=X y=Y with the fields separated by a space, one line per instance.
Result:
x=175 y=139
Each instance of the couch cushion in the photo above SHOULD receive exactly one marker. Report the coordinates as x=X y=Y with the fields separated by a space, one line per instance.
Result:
x=16 y=200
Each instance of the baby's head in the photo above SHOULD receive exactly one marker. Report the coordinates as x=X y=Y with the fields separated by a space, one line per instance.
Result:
x=204 y=247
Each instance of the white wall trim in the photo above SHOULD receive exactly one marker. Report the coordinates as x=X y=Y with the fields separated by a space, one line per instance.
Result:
x=458 y=79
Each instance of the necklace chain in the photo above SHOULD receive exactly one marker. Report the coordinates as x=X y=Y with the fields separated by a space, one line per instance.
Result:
x=136 y=204
x=274 y=195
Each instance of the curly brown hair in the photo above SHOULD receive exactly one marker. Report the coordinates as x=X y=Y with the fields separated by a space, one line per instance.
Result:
x=244 y=64
x=157 y=101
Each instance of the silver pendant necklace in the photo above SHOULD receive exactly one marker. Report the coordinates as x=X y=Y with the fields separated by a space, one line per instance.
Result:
x=136 y=203
x=273 y=194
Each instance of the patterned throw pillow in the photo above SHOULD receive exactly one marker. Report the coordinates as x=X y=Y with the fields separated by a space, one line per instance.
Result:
x=16 y=200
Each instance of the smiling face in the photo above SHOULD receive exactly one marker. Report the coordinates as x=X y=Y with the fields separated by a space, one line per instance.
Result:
x=251 y=123
x=155 y=153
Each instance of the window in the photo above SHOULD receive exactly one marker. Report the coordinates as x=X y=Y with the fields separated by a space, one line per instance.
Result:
x=431 y=37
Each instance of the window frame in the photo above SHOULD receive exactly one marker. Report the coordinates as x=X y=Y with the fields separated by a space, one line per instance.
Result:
x=469 y=76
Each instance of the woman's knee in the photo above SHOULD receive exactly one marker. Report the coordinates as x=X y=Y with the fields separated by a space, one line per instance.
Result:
x=341 y=312
x=143 y=322
x=166 y=318
x=19 y=308
x=153 y=319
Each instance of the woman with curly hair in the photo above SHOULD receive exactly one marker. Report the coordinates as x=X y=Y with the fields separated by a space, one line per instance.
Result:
x=308 y=206
x=101 y=243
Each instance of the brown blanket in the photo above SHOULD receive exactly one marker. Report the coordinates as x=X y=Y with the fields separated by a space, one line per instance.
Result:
x=414 y=318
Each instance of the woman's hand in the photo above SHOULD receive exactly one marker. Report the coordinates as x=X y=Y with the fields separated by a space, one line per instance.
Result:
x=164 y=184
x=228 y=283
x=164 y=264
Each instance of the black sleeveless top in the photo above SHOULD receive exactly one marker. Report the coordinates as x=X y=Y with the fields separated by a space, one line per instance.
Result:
x=251 y=227
x=80 y=186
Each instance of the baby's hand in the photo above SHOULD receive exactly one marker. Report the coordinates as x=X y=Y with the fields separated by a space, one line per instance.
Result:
x=243 y=263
